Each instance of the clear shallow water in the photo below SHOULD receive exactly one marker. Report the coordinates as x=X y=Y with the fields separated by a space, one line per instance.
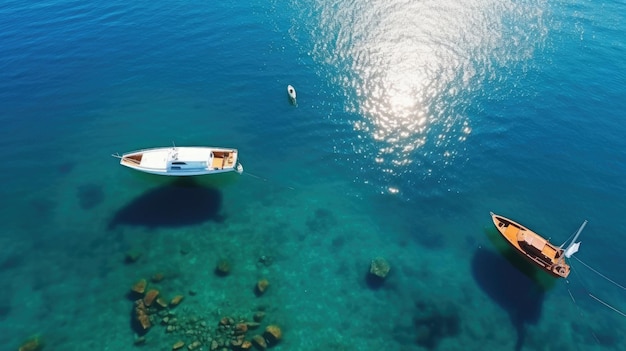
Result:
x=414 y=120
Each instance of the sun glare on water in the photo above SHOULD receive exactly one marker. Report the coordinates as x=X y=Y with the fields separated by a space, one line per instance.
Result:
x=408 y=70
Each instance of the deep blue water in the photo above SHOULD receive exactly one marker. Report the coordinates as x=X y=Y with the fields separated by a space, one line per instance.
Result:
x=414 y=120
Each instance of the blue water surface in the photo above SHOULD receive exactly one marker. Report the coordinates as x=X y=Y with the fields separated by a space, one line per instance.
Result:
x=414 y=120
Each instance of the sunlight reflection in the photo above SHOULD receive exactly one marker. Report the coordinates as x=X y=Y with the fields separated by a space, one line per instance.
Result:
x=409 y=72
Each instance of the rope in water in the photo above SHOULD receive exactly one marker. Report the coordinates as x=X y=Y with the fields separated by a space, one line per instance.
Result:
x=590 y=294
x=607 y=305
x=266 y=180
x=600 y=274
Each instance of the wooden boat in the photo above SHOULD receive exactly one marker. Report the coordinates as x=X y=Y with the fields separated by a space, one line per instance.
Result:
x=182 y=161
x=535 y=248
x=291 y=91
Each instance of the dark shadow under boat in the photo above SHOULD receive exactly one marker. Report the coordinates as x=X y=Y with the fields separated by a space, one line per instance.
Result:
x=511 y=289
x=182 y=202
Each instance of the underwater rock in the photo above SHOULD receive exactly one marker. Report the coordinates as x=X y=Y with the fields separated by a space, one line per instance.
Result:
x=151 y=295
x=132 y=256
x=246 y=345
x=223 y=268
x=176 y=300
x=258 y=316
x=178 y=345
x=240 y=328
x=157 y=277
x=34 y=343
x=194 y=345
x=261 y=286
x=226 y=321
x=140 y=286
x=380 y=267
x=273 y=334
x=161 y=302
x=141 y=315
x=236 y=343
x=259 y=342
x=163 y=313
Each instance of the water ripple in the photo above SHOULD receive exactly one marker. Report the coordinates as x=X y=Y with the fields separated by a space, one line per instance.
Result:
x=408 y=71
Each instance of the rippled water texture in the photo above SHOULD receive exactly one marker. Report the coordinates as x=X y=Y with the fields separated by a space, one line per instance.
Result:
x=408 y=75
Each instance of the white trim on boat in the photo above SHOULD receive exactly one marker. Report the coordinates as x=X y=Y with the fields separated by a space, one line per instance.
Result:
x=183 y=160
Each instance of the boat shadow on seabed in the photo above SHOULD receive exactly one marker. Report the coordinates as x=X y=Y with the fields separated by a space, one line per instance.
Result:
x=519 y=288
x=513 y=284
x=513 y=291
x=178 y=203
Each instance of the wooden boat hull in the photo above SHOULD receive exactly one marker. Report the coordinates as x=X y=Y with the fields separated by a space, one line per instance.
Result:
x=183 y=161
x=532 y=246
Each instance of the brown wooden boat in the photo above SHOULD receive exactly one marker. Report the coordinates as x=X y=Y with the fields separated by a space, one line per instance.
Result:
x=535 y=248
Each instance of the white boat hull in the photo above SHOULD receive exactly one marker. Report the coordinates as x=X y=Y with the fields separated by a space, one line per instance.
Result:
x=291 y=91
x=183 y=161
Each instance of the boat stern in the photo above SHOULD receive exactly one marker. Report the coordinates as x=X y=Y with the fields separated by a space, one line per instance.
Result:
x=560 y=269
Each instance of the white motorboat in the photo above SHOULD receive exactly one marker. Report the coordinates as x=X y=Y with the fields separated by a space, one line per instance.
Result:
x=183 y=161
x=292 y=94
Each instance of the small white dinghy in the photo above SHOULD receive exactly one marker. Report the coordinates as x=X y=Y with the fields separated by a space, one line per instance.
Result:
x=292 y=94
x=183 y=161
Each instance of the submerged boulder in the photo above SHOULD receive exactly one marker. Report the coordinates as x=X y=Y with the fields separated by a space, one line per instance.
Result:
x=222 y=268
x=150 y=297
x=141 y=316
x=34 y=343
x=380 y=267
x=261 y=286
x=139 y=287
x=272 y=334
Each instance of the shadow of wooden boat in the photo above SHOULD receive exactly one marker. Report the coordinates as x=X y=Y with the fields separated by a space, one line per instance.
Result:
x=512 y=283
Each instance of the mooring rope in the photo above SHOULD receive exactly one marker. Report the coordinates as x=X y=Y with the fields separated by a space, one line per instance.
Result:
x=607 y=305
x=600 y=274
x=266 y=180
x=590 y=294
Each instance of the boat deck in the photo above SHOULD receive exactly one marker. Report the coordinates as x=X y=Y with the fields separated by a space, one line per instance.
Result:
x=182 y=159
x=155 y=160
x=533 y=246
x=223 y=159
x=132 y=161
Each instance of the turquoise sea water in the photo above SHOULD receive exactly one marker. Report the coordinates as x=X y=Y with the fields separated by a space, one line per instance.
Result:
x=414 y=120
